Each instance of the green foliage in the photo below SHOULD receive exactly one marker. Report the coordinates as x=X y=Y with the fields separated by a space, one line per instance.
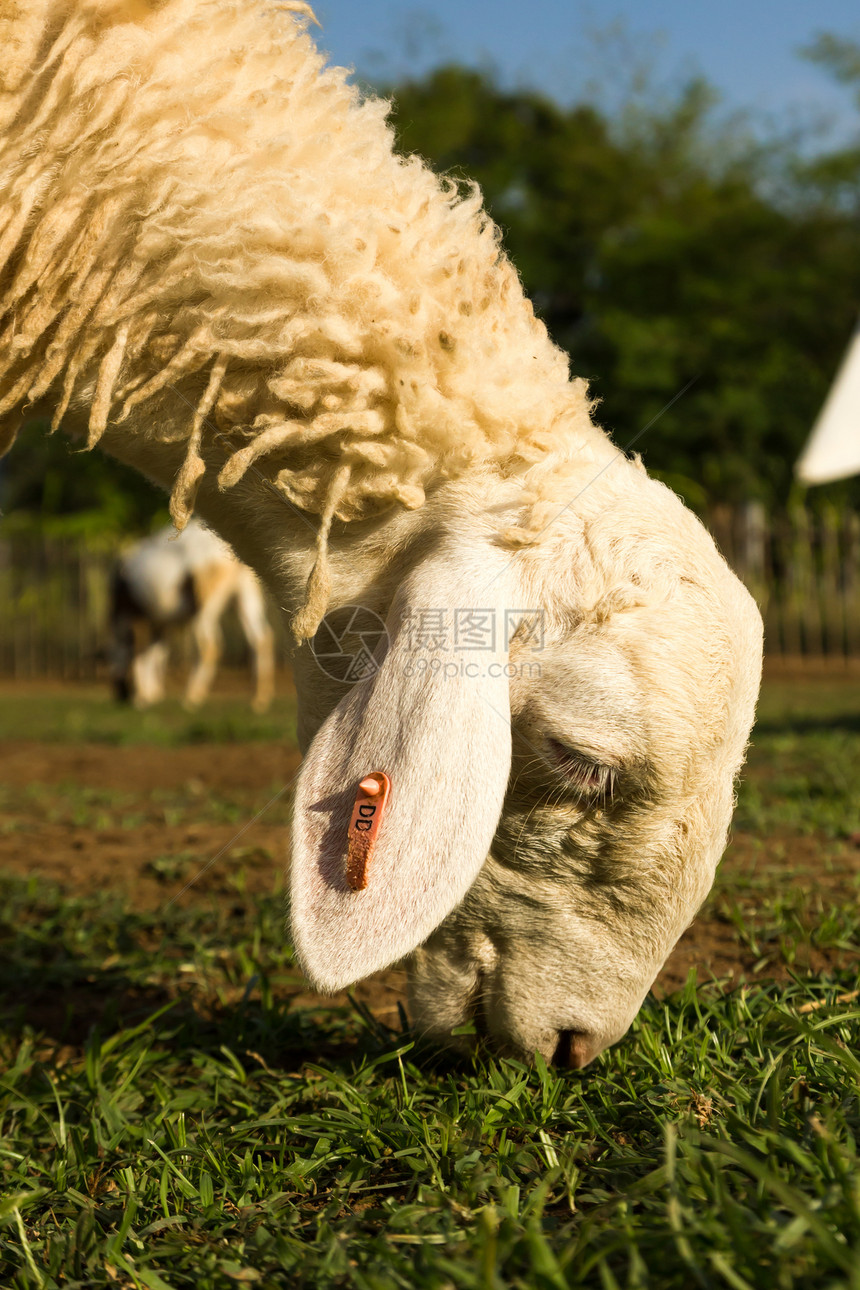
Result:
x=50 y=483
x=660 y=252
x=832 y=179
x=839 y=55
x=663 y=251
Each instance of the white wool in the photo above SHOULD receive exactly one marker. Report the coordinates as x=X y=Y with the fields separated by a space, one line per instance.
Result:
x=189 y=198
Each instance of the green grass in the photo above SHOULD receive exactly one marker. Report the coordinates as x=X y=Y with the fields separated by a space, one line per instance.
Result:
x=803 y=770
x=206 y=1134
x=105 y=808
x=172 y=1116
x=803 y=778
x=90 y=713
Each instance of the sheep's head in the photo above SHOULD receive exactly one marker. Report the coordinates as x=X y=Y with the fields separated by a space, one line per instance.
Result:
x=562 y=785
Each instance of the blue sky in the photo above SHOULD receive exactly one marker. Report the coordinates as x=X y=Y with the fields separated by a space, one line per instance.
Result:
x=748 y=48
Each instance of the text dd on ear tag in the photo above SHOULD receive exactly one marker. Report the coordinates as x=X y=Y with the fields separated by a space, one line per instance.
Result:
x=371 y=799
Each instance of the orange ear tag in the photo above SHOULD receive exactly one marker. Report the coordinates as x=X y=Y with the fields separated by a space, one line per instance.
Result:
x=371 y=799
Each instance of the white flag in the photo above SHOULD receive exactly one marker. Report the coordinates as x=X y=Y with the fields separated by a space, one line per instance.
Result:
x=833 y=448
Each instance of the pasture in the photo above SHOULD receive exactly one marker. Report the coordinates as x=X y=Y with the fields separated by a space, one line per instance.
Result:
x=179 y=1111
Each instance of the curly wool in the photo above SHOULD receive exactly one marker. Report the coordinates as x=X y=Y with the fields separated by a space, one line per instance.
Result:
x=191 y=202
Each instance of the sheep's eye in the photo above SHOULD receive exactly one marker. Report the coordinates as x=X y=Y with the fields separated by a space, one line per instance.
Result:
x=587 y=776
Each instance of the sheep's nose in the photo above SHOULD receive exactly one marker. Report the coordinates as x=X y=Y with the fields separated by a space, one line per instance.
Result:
x=575 y=1049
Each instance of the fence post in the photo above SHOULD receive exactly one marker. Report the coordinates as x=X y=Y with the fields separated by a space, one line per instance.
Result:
x=830 y=597
x=850 y=581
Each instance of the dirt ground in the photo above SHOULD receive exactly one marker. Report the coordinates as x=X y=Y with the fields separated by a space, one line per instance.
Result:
x=86 y=859
x=82 y=858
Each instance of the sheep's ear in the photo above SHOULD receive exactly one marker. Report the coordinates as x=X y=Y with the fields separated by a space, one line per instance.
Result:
x=435 y=718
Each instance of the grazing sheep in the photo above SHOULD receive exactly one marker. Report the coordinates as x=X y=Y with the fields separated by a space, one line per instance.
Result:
x=213 y=263
x=186 y=579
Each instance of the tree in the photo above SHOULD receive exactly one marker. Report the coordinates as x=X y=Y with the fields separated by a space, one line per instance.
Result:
x=661 y=252
x=50 y=481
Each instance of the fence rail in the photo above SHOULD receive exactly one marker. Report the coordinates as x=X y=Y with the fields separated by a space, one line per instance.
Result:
x=54 y=596
x=803 y=568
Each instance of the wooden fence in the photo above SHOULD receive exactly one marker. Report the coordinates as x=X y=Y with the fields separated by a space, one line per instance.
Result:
x=54 y=611
x=803 y=568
